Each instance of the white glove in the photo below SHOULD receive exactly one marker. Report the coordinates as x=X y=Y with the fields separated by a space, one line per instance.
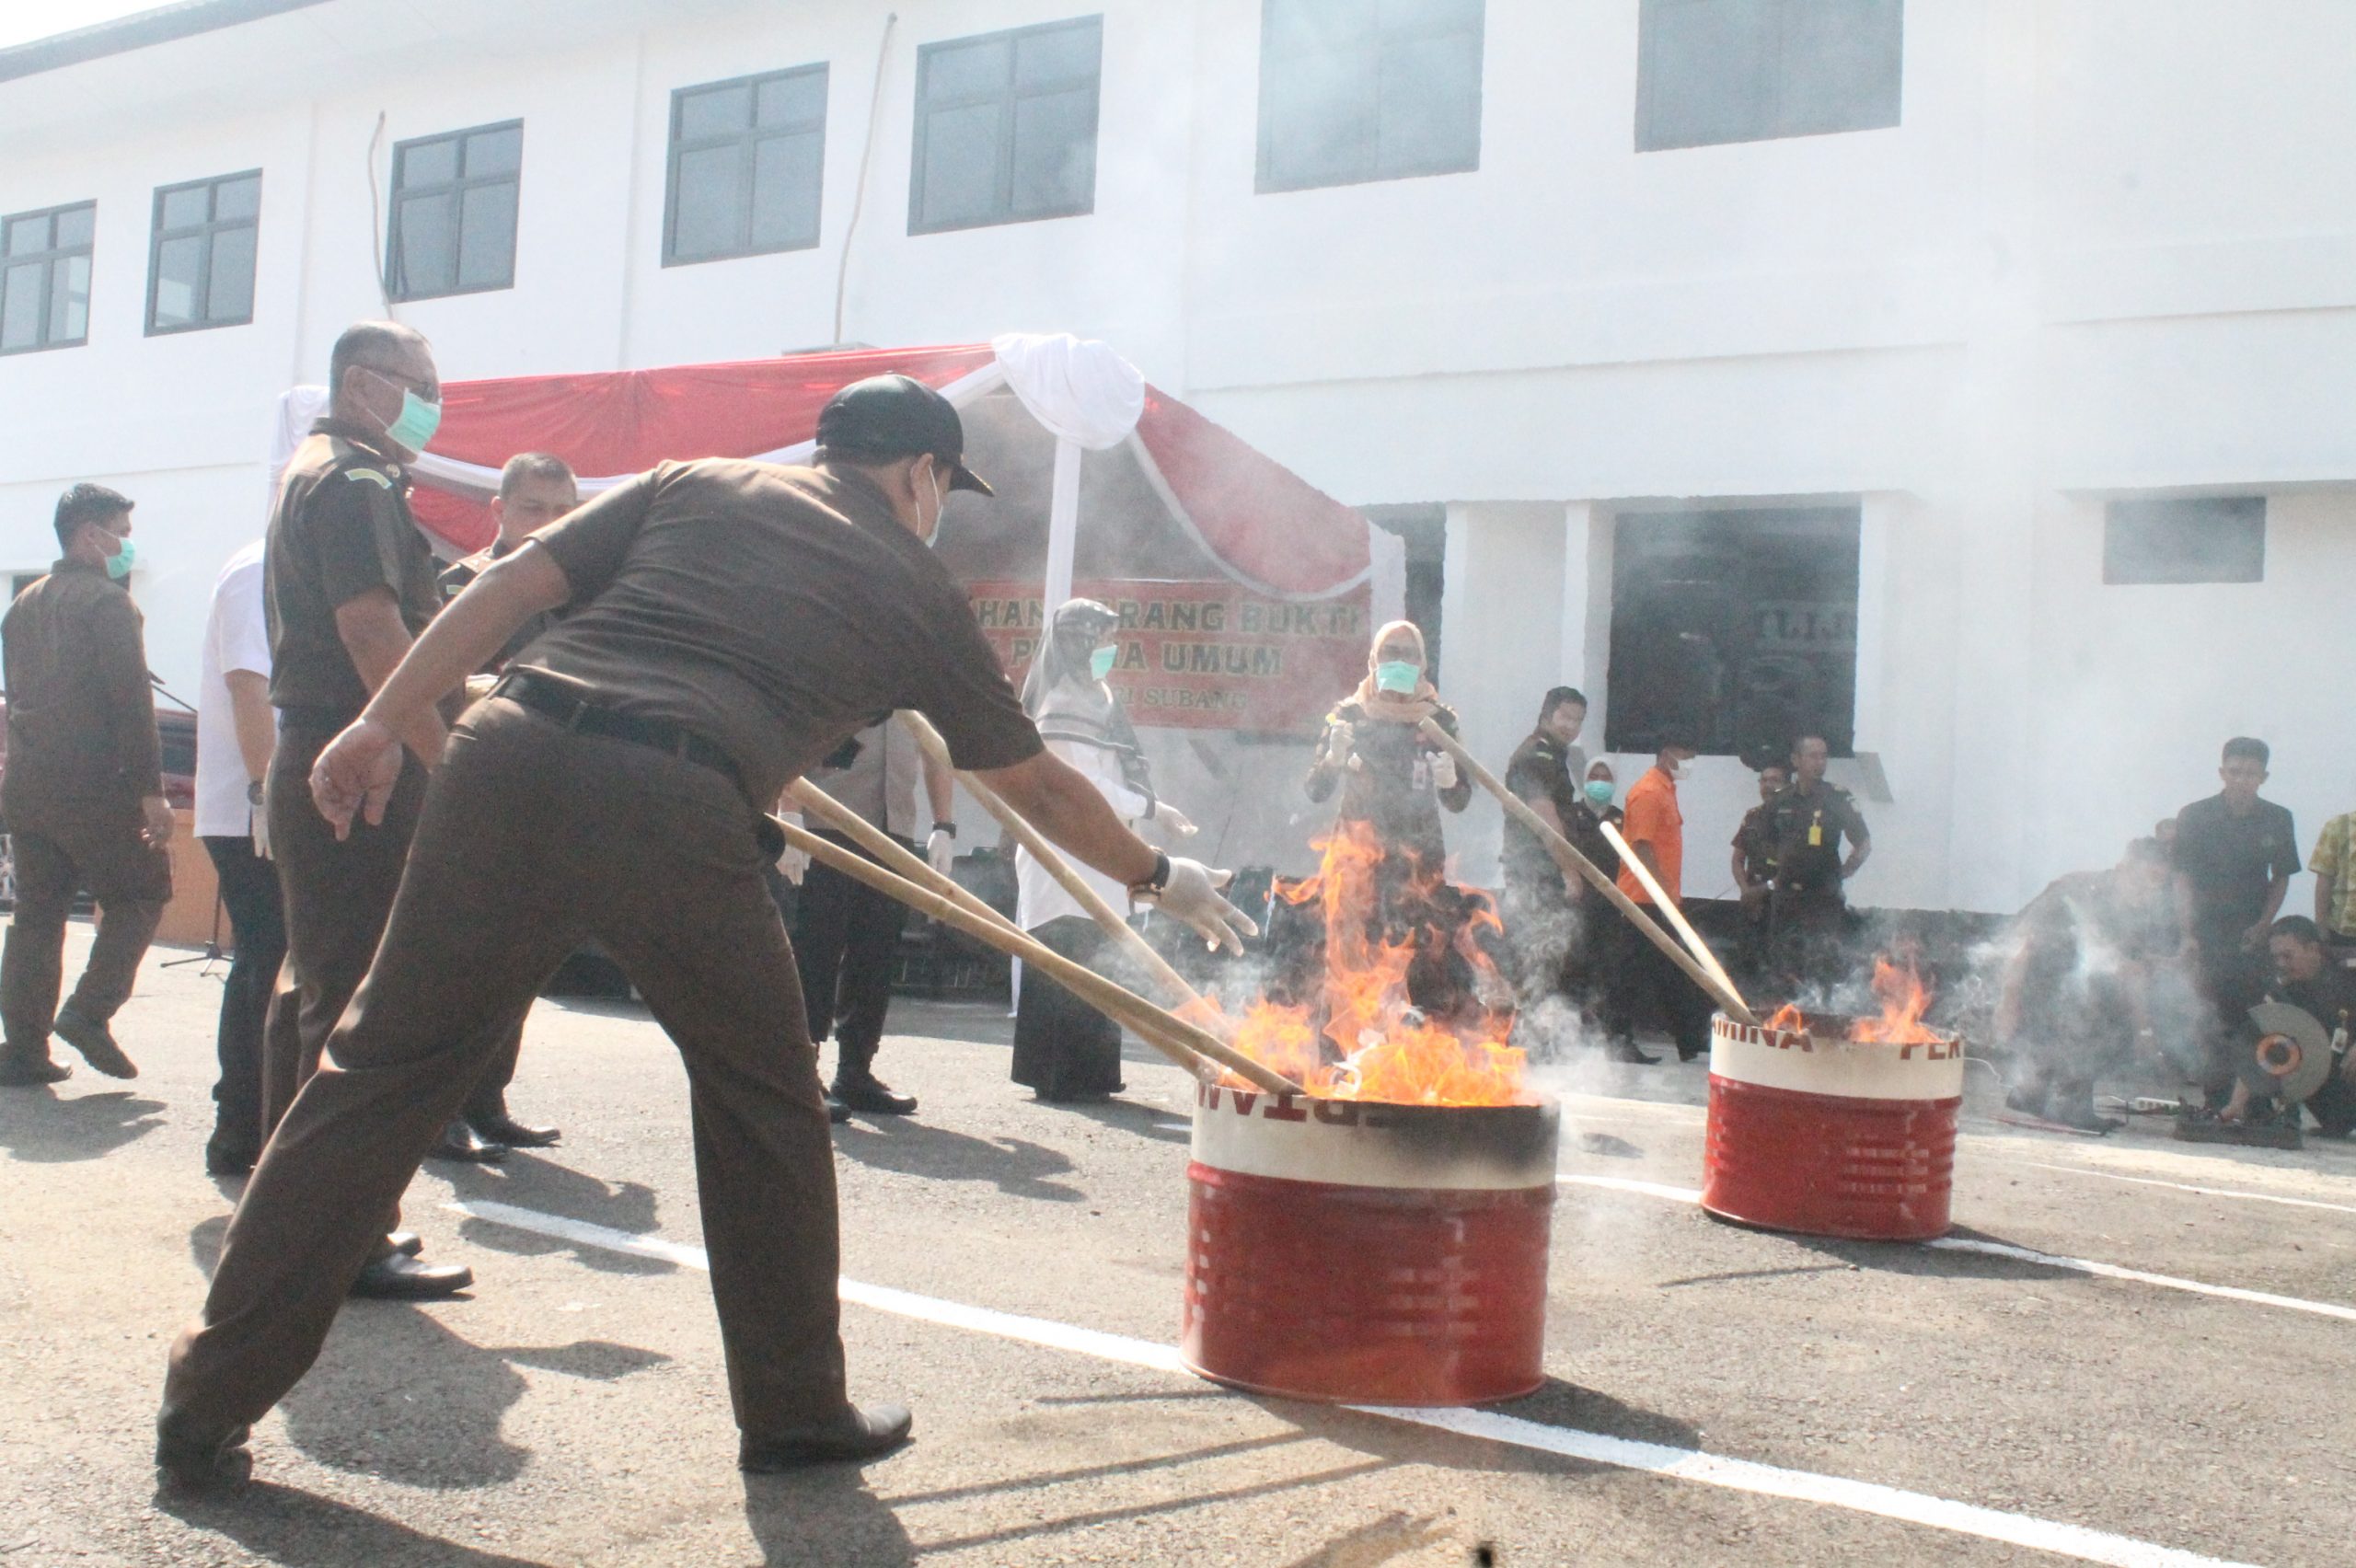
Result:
x=791 y=863
x=261 y=817
x=1339 y=739
x=941 y=850
x=1443 y=771
x=1192 y=895
x=1180 y=824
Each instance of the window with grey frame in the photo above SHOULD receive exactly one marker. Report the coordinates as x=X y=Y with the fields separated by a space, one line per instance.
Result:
x=1005 y=127
x=747 y=156
x=45 y=278
x=201 y=256
x=2160 y=540
x=453 y=227
x=1717 y=71
x=1358 y=90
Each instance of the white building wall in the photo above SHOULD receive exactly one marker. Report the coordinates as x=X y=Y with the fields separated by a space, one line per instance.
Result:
x=2108 y=250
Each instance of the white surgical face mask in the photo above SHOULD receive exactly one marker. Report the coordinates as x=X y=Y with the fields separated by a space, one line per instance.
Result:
x=940 y=502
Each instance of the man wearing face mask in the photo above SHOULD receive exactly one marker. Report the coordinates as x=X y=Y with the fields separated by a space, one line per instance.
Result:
x=728 y=625
x=83 y=792
x=347 y=585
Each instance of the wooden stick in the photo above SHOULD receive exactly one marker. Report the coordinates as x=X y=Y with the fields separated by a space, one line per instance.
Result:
x=1185 y=1044
x=882 y=846
x=1172 y=984
x=1684 y=928
x=1566 y=856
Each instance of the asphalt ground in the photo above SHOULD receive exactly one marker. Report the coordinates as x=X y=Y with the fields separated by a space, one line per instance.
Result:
x=1715 y=1394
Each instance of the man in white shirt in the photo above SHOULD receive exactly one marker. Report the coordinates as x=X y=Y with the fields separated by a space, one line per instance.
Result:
x=235 y=729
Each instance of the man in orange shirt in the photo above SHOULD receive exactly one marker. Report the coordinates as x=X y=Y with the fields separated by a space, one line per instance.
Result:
x=1643 y=979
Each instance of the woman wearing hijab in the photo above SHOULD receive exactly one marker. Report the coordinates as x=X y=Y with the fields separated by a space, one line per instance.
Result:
x=1064 y=1049
x=1394 y=782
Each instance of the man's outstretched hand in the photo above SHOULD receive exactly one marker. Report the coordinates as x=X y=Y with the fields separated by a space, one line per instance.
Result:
x=355 y=774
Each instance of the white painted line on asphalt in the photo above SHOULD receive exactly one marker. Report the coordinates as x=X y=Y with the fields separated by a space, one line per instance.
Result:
x=2188 y=1187
x=1595 y=1447
x=2019 y=1254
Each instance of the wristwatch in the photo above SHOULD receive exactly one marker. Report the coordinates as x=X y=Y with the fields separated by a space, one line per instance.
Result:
x=253 y=791
x=1153 y=885
x=948 y=827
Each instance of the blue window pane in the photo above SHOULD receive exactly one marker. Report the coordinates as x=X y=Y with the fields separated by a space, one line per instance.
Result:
x=708 y=212
x=29 y=235
x=965 y=69
x=1431 y=105
x=1841 y=66
x=1708 y=71
x=1431 y=15
x=427 y=246
x=495 y=152
x=429 y=163
x=715 y=111
x=184 y=209
x=1054 y=152
x=179 y=272
x=487 y=236
x=1309 y=27
x=231 y=291
x=785 y=192
x=961 y=165
x=236 y=199
x=69 y=299
x=797 y=99
x=74 y=227
x=21 y=305
x=1320 y=119
x=1057 y=56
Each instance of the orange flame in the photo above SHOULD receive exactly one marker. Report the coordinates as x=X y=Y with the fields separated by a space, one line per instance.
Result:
x=1382 y=1048
x=1904 y=1000
x=1788 y=1020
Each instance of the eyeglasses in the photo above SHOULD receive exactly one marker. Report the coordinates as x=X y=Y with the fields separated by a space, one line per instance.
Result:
x=431 y=390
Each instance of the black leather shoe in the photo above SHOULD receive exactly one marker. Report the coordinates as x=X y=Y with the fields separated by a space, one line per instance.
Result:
x=96 y=1043
x=865 y=1091
x=836 y=1111
x=1626 y=1050
x=402 y=1278
x=861 y=1433
x=186 y=1462
x=505 y=1129
x=408 y=1244
x=227 y=1159
x=459 y=1143
x=31 y=1072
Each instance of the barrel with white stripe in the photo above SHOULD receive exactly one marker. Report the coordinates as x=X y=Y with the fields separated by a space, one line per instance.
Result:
x=1814 y=1133
x=1367 y=1253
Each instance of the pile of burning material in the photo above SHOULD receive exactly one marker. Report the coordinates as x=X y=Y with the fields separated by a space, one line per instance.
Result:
x=1835 y=1126
x=1385 y=1240
x=1386 y=986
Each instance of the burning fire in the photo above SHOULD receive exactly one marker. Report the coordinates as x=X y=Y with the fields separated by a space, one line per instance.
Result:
x=1372 y=1042
x=1904 y=1000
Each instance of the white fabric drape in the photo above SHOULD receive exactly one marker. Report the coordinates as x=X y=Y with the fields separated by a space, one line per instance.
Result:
x=1079 y=388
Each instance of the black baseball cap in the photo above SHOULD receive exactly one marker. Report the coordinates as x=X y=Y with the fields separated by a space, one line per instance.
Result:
x=885 y=418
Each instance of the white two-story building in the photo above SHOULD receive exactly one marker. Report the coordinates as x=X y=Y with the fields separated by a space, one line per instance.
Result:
x=1968 y=379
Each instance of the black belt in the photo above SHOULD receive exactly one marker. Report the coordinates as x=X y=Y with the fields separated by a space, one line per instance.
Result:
x=554 y=699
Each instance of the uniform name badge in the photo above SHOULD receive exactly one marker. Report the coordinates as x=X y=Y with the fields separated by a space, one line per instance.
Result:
x=1816 y=832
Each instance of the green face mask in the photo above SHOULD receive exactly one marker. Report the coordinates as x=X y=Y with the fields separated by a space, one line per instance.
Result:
x=418 y=422
x=119 y=563
x=1600 y=791
x=1099 y=664
x=1397 y=676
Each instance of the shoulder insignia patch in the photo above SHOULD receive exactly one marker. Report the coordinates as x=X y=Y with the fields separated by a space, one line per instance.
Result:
x=370 y=474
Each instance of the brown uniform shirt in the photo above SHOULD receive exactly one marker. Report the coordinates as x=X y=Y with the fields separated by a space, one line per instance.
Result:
x=341 y=528
x=82 y=744
x=464 y=570
x=773 y=611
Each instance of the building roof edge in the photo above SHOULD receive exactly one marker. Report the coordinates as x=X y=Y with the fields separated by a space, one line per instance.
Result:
x=165 y=24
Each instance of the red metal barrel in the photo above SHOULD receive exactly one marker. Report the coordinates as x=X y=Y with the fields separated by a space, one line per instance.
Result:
x=1829 y=1136
x=1366 y=1253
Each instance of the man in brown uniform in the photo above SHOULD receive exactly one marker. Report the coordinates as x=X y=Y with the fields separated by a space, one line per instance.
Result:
x=731 y=623
x=348 y=583
x=83 y=792
x=535 y=490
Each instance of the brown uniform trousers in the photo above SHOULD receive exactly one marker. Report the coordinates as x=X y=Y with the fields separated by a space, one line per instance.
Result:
x=130 y=881
x=534 y=839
